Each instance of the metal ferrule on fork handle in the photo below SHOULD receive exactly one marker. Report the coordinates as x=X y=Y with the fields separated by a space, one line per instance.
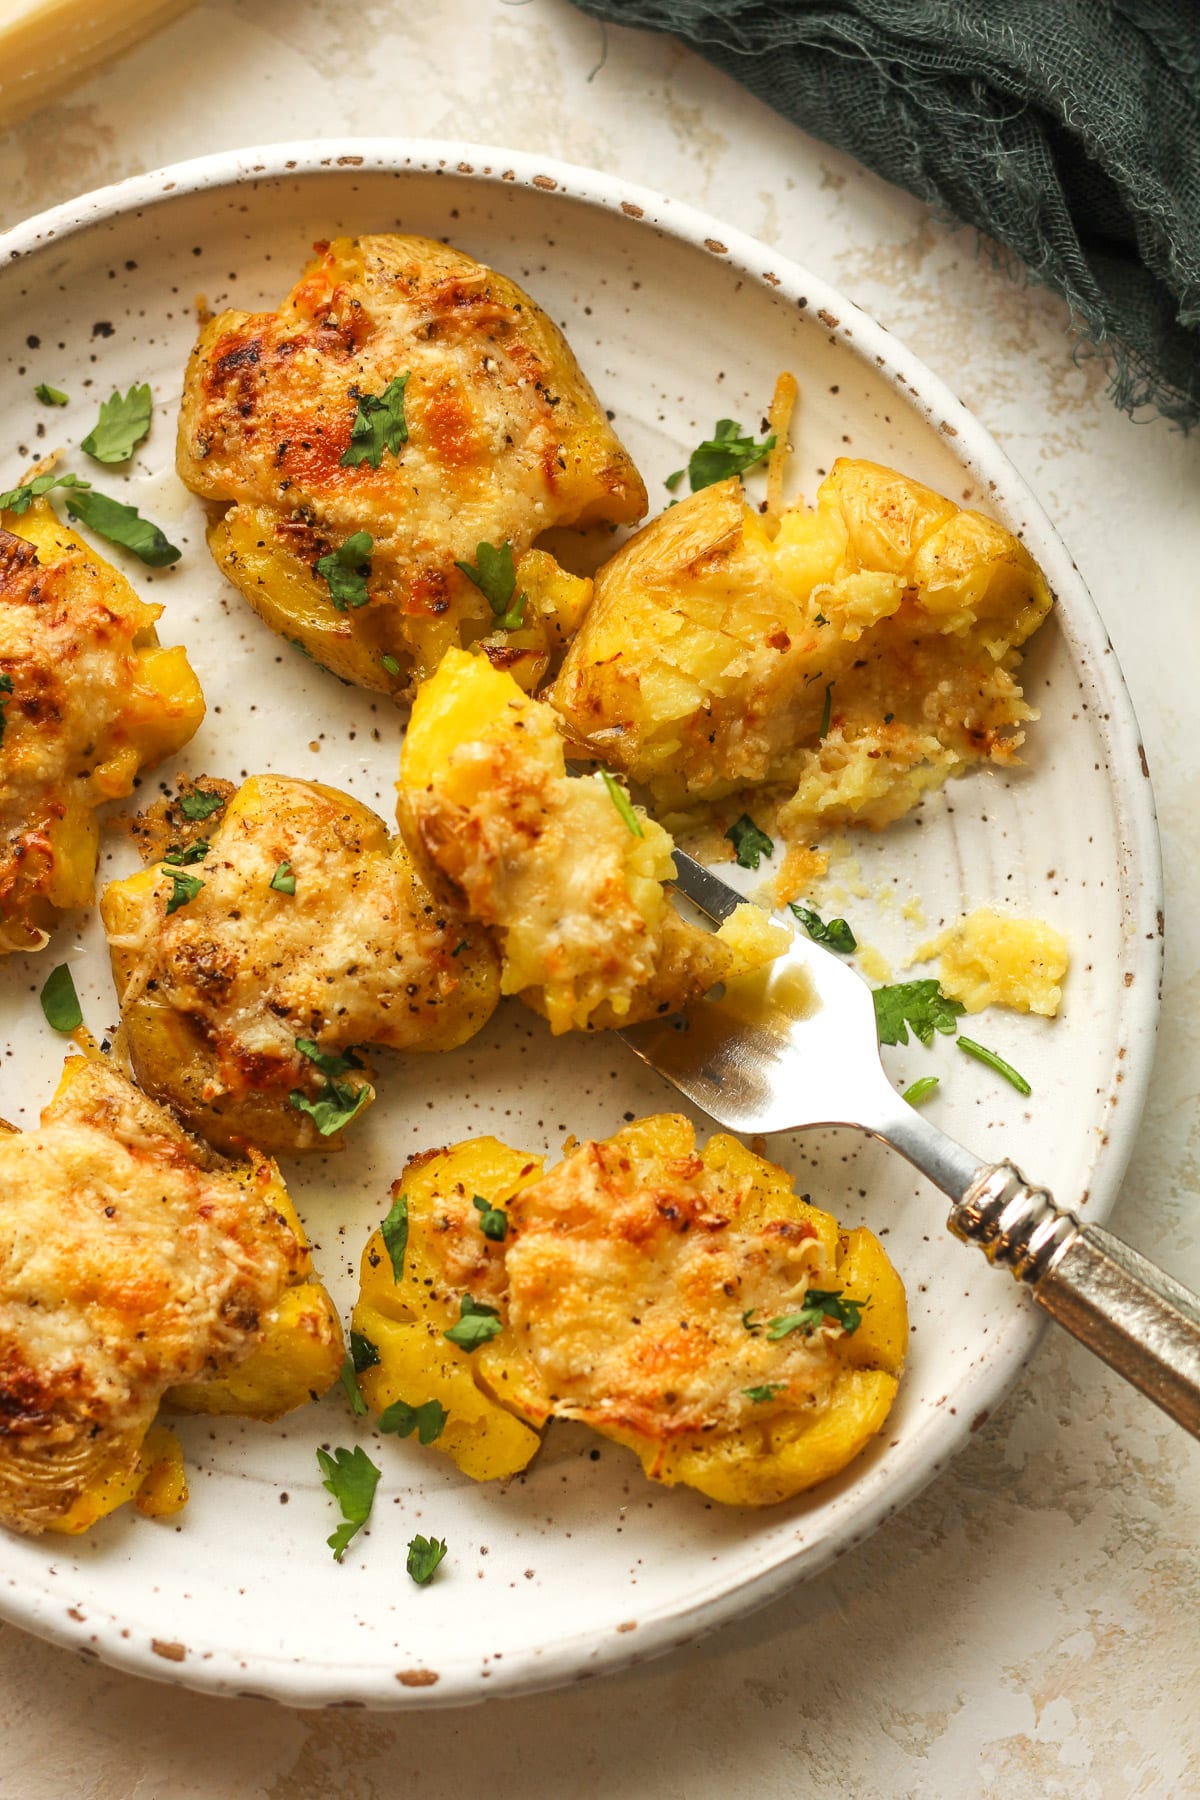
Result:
x=1015 y=1225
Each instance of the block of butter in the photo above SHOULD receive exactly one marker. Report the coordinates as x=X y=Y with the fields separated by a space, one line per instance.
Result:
x=47 y=45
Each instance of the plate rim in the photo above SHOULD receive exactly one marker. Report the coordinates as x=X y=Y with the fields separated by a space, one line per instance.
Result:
x=986 y=1384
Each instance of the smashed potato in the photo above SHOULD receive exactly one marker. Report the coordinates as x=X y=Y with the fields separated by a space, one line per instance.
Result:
x=403 y=406
x=87 y=698
x=993 y=959
x=687 y=1304
x=131 y=1260
x=853 y=660
x=567 y=872
x=249 y=967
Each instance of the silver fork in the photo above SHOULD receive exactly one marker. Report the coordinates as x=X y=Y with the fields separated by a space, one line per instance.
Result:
x=813 y=1059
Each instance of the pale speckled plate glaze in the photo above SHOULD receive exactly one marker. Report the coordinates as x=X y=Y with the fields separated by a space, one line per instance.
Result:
x=580 y=1565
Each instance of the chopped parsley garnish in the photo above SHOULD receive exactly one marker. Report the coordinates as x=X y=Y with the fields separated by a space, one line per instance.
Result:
x=826 y=710
x=982 y=1054
x=345 y=571
x=395 y=1234
x=477 y=1322
x=351 y=1477
x=349 y=1380
x=184 y=888
x=363 y=1353
x=180 y=857
x=60 y=1002
x=283 y=881
x=494 y=574
x=200 y=804
x=748 y=1322
x=672 y=481
x=767 y=1391
x=920 y=1090
x=837 y=934
x=6 y=688
x=622 y=802
x=19 y=499
x=427 y=1420
x=920 y=1004
x=819 y=1304
x=123 y=525
x=390 y=665
x=750 y=844
x=338 y=1101
x=725 y=453
x=379 y=425
x=424 y=1555
x=124 y=421
x=50 y=396
x=493 y=1220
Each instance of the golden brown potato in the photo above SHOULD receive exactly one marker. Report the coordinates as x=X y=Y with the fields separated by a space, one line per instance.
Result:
x=298 y=930
x=87 y=698
x=861 y=655
x=131 y=1260
x=404 y=391
x=566 y=871
x=684 y=1303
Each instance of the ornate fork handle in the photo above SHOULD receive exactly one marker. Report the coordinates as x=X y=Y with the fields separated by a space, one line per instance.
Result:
x=1141 y=1321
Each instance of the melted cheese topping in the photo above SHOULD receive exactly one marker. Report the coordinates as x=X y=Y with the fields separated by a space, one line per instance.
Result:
x=857 y=657
x=359 y=953
x=629 y=1287
x=128 y=1261
x=549 y=861
x=994 y=959
x=505 y=436
x=92 y=699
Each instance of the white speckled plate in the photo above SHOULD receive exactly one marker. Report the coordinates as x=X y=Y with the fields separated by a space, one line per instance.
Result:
x=580 y=1565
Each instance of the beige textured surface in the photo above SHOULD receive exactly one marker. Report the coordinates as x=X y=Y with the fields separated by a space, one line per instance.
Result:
x=1027 y=1627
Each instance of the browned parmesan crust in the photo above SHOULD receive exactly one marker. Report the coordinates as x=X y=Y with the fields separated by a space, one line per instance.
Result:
x=93 y=698
x=130 y=1260
x=505 y=440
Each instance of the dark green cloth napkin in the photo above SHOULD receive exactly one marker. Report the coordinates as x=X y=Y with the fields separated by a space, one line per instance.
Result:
x=1066 y=130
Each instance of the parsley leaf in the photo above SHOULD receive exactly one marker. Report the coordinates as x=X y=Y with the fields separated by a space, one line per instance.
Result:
x=349 y=1380
x=837 y=934
x=200 y=804
x=748 y=1321
x=982 y=1054
x=920 y=1004
x=494 y=574
x=427 y=1420
x=493 y=1220
x=123 y=525
x=6 y=688
x=920 y=1090
x=122 y=425
x=819 y=1304
x=51 y=396
x=346 y=570
x=283 y=881
x=390 y=665
x=351 y=1477
x=19 y=499
x=673 y=480
x=363 y=1353
x=185 y=888
x=477 y=1322
x=181 y=858
x=750 y=844
x=379 y=425
x=767 y=1391
x=395 y=1234
x=338 y=1101
x=826 y=711
x=60 y=1002
x=424 y=1555
x=725 y=453
x=622 y=802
